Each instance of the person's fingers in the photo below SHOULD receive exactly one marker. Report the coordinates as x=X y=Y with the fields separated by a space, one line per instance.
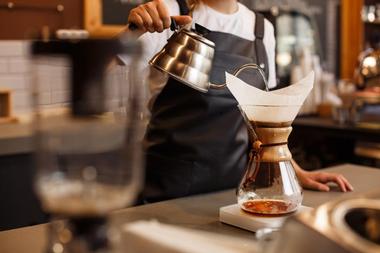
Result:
x=148 y=22
x=318 y=180
x=348 y=185
x=154 y=16
x=151 y=8
x=136 y=19
x=324 y=177
x=163 y=13
x=315 y=185
x=338 y=180
x=335 y=178
x=182 y=20
x=341 y=183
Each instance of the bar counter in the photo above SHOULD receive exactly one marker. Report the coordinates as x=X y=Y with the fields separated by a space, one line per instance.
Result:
x=198 y=212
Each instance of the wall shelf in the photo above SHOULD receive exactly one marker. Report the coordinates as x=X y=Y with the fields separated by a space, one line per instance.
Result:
x=377 y=22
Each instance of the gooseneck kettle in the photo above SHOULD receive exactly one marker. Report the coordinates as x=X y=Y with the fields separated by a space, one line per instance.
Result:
x=188 y=57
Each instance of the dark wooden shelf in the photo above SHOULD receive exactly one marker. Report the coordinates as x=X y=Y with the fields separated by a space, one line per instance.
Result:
x=375 y=23
x=368 y=132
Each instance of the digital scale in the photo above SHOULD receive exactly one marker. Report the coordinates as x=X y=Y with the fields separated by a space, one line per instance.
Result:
x=233 y=215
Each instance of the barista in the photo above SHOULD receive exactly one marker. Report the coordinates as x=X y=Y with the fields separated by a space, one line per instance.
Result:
x=196 y=142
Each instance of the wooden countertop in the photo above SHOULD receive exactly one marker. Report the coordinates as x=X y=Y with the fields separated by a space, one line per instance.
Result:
x=198 y=212
x=15 y=138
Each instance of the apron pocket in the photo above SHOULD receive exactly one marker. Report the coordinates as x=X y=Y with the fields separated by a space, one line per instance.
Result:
x=167 y=178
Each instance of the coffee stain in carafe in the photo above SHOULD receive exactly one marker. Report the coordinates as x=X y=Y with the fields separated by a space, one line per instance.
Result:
x=267 y=207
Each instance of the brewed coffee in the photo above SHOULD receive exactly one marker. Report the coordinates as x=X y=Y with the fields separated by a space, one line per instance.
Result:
x=268 y=207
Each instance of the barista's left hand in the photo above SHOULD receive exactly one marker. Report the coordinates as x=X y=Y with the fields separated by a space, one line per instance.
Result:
x=319 y=180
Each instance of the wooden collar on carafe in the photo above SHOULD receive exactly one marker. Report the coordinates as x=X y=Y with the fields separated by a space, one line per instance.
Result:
x=272 y=143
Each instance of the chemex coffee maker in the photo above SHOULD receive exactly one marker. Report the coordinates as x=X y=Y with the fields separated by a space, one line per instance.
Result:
x=269 y=185
x=88 y=143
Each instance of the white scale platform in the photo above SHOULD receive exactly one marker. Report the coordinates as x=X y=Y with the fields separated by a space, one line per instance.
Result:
x=233 y=215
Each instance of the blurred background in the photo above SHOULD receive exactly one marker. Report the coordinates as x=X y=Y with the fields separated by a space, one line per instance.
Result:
x=338 y=39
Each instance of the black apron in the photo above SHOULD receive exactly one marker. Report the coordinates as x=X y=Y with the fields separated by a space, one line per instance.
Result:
x=198 y=142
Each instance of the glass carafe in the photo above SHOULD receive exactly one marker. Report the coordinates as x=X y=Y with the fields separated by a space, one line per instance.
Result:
x=269 y=185
x=88 y=141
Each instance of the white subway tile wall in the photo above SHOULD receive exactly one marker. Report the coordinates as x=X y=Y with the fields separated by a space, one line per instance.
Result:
x=3 y=65
x=13 y=48
x=18 y=65
x=60 y=96
x=53 y=73
x=14 y=82
x=15 y=74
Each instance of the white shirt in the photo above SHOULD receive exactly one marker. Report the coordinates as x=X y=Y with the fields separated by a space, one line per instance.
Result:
x=241 y=23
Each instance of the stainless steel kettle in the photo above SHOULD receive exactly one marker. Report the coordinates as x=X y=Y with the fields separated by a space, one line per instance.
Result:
x=187 y=57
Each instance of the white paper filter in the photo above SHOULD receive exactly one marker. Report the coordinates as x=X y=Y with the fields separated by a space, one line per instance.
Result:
x=271 y=114
x=276 y=106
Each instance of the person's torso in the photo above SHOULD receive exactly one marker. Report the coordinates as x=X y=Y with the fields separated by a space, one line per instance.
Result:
x=198 y=142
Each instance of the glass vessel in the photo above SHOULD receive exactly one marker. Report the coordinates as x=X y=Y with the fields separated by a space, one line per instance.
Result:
x=269 y=185
x=88 y=139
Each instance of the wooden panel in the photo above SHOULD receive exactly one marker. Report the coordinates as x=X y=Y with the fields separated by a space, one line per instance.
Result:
x=103 y=18
x=351 y=36
x=116 y=12
x=5 y=103
x=93 y=20
x=25 y=18
x=5 y=106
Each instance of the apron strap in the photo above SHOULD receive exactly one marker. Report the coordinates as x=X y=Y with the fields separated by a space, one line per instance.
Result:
x=262 y=58
x=183 y=7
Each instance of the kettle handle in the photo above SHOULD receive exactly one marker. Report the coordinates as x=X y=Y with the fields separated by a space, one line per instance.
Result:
x=239 y=70
x=173 y=25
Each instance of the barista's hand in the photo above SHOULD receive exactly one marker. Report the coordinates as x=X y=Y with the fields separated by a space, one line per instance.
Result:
x=318 y=181
x=154 y=17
